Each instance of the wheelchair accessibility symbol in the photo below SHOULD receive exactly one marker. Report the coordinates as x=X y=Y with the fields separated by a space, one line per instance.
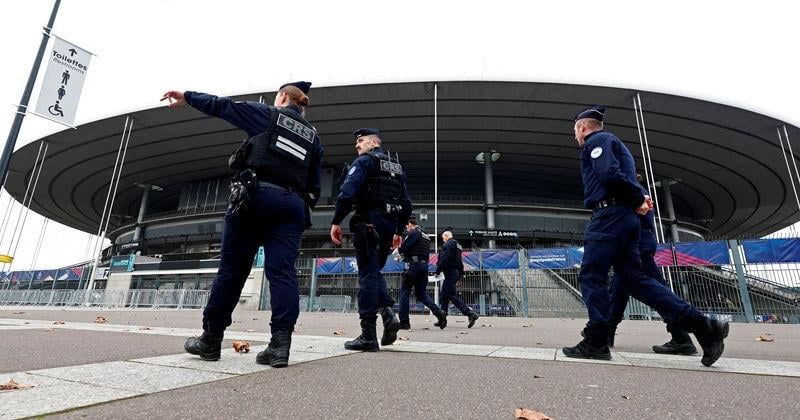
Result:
x=56 y=109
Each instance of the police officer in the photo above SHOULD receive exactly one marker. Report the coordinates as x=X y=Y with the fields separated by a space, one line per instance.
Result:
x=415 y=250
x=680 y=343
x=278 y=183
x=450 y=263
x=612 y=239
x=375 y=187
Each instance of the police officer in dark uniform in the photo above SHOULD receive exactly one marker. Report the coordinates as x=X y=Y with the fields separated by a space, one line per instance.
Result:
x=375 y=188
x=415 y=250
x=612 y=239
x=277 y=184
x=680 y=343
x=450 y=263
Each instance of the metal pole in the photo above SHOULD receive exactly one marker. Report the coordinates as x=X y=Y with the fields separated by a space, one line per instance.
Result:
x=137 y=234
x=649 y=164
x=523 y=267
x=312 y=291
x=435 y=166
x=26 y=96
x=673 y=227
x=24 y=199
x=489 y=181
x=744 y=294
x=788 y=169
x=30 y=201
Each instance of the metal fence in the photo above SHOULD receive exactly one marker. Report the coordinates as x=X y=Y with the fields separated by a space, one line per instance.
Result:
x=145 y=298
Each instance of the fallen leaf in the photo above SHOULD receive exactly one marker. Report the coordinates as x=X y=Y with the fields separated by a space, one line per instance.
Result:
x=426 y=328
x=538 y=343
x=255 y=319
x=144 y=328
x=26 y=322
x=125 y=330
x=593 y=386
x=12 y=384
x=765 y=337
x=241 y=347
x=249 y=330
x=59 y=323
x=19 y=313
x=522 y=413
x=527 y=325
x=100 y=319
x=537 y=377
x=625 y=397
x=487 y=325
x=337 y=332
x=463 y=332
x=402 y=338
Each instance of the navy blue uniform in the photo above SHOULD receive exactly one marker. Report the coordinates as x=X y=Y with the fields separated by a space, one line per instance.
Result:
x=416 y=274
x=612 y=238
x=275 y=220
x=450 y=263
x=373 y=229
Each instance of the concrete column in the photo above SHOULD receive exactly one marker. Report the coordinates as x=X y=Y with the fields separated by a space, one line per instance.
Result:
x=490 y=206
x=744 y=294
x=137 y=234
x=673 y=226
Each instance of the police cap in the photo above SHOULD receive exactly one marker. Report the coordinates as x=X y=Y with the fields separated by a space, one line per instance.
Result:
x=365 y=132
x=595 y=112
x=447 y=229
x=304 y=86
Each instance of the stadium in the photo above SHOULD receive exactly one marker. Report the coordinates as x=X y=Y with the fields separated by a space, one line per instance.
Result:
x=719 y=172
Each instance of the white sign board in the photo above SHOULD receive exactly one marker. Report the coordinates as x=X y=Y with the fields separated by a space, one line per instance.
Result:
x=61 y=87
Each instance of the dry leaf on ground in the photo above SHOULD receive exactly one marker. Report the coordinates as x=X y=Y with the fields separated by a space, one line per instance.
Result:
x=19 y=313
x=537 y=377
x=463 y=332
x=425 y=328
x=337 y=332
x=625 y=397
x=487 y=325
x=522 y=413
x=401 y=338
x=765 y=337
x=527 y=325
x=144 y=328
x=12 y=384
x=100 y=319
x=59 y=323
x=241 y=347
x=250 y=330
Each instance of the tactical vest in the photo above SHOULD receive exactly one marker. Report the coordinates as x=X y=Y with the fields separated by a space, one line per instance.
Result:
x=455 y=262
x=282 y=154
x=421 y=248
x=384 y=186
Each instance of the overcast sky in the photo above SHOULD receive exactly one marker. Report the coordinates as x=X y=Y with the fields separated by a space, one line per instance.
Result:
x=738 y=53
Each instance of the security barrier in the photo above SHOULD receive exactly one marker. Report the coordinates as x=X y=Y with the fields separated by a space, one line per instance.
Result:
x=147 y=298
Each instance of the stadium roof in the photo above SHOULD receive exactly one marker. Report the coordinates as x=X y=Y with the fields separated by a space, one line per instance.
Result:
x=731 y=175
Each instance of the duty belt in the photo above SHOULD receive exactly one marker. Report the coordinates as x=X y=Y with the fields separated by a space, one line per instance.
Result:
x=606 y=203
x=271 y=185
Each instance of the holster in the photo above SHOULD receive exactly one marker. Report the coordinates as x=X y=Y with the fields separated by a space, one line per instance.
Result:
x=364 y=234
x=239 y=199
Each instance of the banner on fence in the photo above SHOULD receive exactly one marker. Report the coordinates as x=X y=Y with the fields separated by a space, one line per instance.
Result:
x=702 y=253
x=772 y=250
x=553 y=258
x=486 y=260
x=664 y=256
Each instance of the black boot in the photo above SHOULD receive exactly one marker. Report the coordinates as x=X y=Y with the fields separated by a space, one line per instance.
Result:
x=585 y=350
x=390 y=326
x=472 y=317
x=207 y=346
x=711 y=335
x=368 y=340
x=405 y=324
x=442 y=320
x=277 y=353
x=612 y=333
x=681 y=343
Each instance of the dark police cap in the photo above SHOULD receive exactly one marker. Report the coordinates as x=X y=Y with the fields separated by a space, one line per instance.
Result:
x=304 y=86
x=595 y=112
x=447 y=229
x=365 y=132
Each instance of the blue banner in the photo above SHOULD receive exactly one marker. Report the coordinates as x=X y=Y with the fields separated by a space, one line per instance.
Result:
x=487 y=260
x=499 y=260
x=552 y=258
x=702 y=253
x=772 y=250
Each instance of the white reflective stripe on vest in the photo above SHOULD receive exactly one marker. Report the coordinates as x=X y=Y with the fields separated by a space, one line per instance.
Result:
x=285 y=144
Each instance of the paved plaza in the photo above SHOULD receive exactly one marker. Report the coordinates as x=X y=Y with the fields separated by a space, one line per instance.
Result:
x=133 y=365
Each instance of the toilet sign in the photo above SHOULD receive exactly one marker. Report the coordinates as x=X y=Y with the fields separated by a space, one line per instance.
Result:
x=67 y=66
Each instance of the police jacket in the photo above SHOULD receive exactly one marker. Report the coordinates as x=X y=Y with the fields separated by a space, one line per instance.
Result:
x=374 y=185
x=283 y=147
x=450 y=257
x=415 y=244
x=608 y=171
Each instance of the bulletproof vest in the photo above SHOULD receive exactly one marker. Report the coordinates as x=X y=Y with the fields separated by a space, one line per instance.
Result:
x=455 y=262
x=422 y=247
x=282 y=154
x=384 y=186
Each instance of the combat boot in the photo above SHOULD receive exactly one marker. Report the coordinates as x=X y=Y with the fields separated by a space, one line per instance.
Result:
x=207 y=346
x=585 y=350
x=472 y=317
x=442 y=320
x=612 y=333
x=390 y=326
x=711 y=335
x=681 y=343
x=277 y=353
x=368 y=340
x=405 y=324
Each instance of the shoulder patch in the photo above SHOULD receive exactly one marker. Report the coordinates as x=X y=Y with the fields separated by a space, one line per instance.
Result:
x=352 y=170
x=596 y=152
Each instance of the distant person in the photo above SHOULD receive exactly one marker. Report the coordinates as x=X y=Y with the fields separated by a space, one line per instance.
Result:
x=451 y=265
x=415 y=250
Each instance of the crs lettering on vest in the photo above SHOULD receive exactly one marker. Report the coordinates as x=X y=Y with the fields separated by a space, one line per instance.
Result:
x=394 y=169
x=296 y=127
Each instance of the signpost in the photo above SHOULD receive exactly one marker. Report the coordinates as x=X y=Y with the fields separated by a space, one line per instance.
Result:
x=62 y=83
